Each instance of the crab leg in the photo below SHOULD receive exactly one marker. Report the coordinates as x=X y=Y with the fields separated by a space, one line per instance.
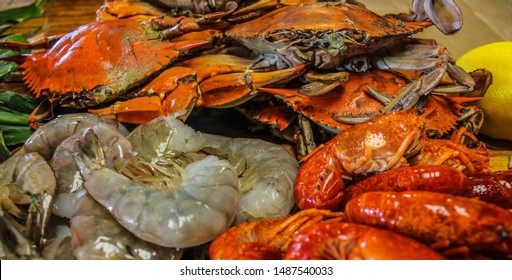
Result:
x=43 y=43
x=174 y=90
x=410 y=94
x=125 y=9
x=421 y=57
x=262 y=6
x=172 y=27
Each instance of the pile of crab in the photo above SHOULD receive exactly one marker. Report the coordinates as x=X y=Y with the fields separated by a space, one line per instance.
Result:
x=385 y=160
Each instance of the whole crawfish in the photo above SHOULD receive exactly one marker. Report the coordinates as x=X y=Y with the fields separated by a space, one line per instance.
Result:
x=340 y=241
x=266 y=239
x=456 y=224
x=373 y=146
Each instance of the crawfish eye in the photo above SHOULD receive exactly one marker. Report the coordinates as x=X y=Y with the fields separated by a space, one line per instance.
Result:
x=473 y=145
x=432 y=133
x=502 y=232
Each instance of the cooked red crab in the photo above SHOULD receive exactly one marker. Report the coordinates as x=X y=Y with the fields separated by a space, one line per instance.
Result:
x=348 y=36
x=110 y=59
x=101 y=61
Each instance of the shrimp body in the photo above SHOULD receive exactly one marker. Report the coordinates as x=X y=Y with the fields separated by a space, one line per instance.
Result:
x=96 y=235
x=114 y=146
x=164 y=137
x=267 y=172
x=201 y=206
x=46 y=139
x=27 y=179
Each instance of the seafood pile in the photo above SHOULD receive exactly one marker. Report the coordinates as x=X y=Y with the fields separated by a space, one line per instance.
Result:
x=371 y=146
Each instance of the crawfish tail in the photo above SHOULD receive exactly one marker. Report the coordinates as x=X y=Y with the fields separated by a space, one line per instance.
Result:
x=495 y=187
x=319 y=184
x=435 y=178
x=436 y=218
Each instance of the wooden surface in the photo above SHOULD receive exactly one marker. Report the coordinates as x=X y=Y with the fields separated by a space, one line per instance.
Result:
x=60 y=16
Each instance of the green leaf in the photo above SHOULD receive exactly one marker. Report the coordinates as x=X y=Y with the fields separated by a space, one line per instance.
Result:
x=18 y=102
x=15 y=134
x=4 y=151
x=7 y=67
x=8 y=116
x=21 y=10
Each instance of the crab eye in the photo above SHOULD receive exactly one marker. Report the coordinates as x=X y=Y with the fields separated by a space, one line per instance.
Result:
x=359 y=36
x=335 y=40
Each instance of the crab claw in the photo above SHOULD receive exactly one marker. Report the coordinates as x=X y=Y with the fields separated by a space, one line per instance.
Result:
x=232 y=89
x=445 y=14
x=174 y=90
x=227 y=80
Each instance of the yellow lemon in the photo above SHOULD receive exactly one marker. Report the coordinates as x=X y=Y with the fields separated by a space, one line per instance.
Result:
x=497 y=101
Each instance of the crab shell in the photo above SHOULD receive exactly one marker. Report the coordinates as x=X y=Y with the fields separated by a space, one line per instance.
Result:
x=347 y=100
x=322 y=33
x=99 y=61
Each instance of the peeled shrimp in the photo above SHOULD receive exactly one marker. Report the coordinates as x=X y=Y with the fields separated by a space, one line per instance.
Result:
x=45 y=139
x=97 y=235
x=69 y=181
x=191 y=207
x=27 y=179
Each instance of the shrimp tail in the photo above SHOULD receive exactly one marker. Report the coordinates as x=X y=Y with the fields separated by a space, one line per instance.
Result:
x=90 y=155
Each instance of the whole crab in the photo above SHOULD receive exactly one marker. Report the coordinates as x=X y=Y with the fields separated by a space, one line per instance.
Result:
x=129 y=57
x=346 y=36
x=445 y=14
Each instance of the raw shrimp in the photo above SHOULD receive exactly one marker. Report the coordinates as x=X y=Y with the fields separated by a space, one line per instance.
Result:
x=45 y=139
x=266 y=174
x=57 y=244
x=97 y=235
x=266 y=170
x=69 y=181
x=14 y=245
x=165 y=137
x=27 y=179
x=189 y=208
x=58 y=248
